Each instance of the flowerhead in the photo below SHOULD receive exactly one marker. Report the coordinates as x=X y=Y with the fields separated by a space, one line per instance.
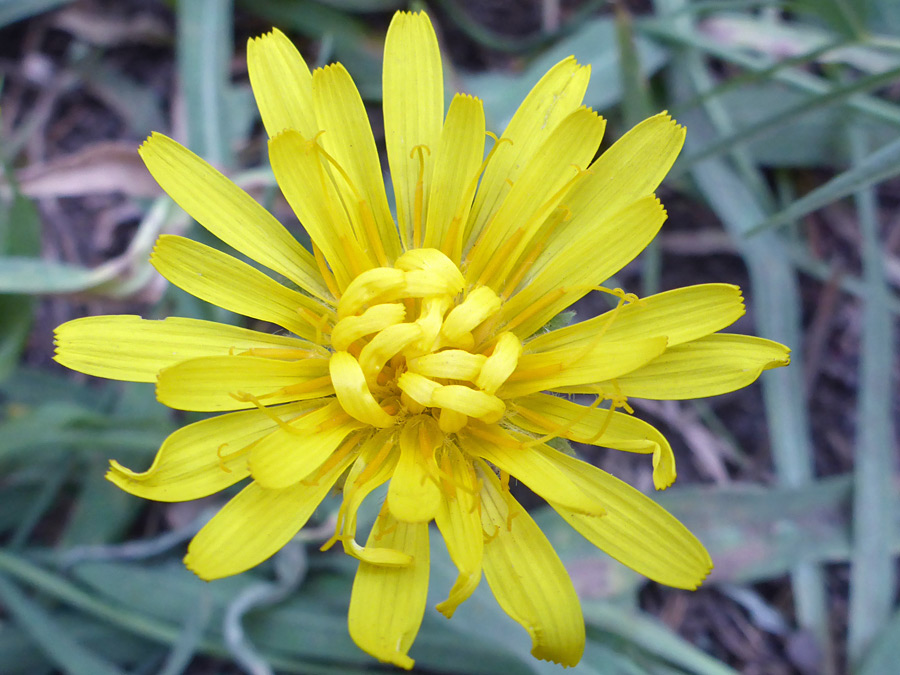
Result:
x=414 y=349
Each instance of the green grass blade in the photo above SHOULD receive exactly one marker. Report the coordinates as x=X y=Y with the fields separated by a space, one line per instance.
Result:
x=872 y=572
x=655 y=638
x=885 y=651
x=873 y=169
x=663 y=31
x=775 y=296
x=57 y=645
x=205 y=37
x=779 y=119
x=16 y=10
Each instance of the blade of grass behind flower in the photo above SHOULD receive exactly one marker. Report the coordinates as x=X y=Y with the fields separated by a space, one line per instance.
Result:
x=595 y=43
x=872 y=572
x=20 y=235
x=51 y=482
x=118 y=613
x=58 y=646
x=19 y=657
x=665 y=31
x=636 y=107
x=776 y=298
x=648 y=634
x=349 y=36
x=205 y=43
x=782 y=118
x=100 y=512
x=884 y=653
x=16 y=10
x=873 y=169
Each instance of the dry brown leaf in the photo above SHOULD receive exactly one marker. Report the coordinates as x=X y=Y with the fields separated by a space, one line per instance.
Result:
x=99 y=168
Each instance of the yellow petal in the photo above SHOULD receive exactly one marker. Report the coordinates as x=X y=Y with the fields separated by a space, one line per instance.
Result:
x=255 y=524
x=544 y=414
x=387 y=603
x=459 y=520
x=214 y=383
x=500 y=364
x=632 y=168
x=225 y=281
x=457 y=160
x=467 y=401
x=553 y=98
x=636 y=531
x=282 y=84
x=376 y=318
x=508 y=454
x=389 y=342
x=413 y=87
x=574 y=366
x=542 y=185
x=527 y=577
x=681 y=315
x=353 y=392
x=414 y=495
x=375 y=465
x=125 y=347
x=202 y=458
x=372 y=286
x=348 y=139
x=230 y=213
x=454 y=364
x=297 y=449
x=613 y=239
x=307 y=184
x=478 y=306
x=710 y=366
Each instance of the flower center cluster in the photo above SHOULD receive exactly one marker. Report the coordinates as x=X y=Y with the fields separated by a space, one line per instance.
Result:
x=405 y=344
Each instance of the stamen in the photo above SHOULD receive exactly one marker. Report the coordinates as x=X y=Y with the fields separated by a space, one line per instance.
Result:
x=419 y=197
x=280 y=353
x=452 y=244
x=374 y=465
x=354 y=252
x=500 y=257
x=301 y=388
x=536 y=307
x=489 y=433
x=559 y=215
x=564 y=430
x=507 y=497
x=320 y=322
x=385 y=532
x=596 y=339
x=336 y=457
x=326 y=273
x=245 y=397
x=355 y=256
x=366 y=217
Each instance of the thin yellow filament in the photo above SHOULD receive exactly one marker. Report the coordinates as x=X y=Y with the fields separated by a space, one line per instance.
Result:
x=560 y=215
x=334 y=459
x=367 y=218
x=500 y=257
x=326 y=273
x=419 y=197
x=557 y=430
x=536 y=307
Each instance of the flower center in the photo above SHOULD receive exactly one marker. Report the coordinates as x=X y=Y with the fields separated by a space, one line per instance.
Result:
x=405 y=344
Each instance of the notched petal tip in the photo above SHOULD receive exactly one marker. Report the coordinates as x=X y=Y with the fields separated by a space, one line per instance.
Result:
x=190 y=564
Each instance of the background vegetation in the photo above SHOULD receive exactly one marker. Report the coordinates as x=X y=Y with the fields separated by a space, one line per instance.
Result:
x=787 y=186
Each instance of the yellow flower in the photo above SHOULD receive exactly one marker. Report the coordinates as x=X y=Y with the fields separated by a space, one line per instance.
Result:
x=416 y=353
